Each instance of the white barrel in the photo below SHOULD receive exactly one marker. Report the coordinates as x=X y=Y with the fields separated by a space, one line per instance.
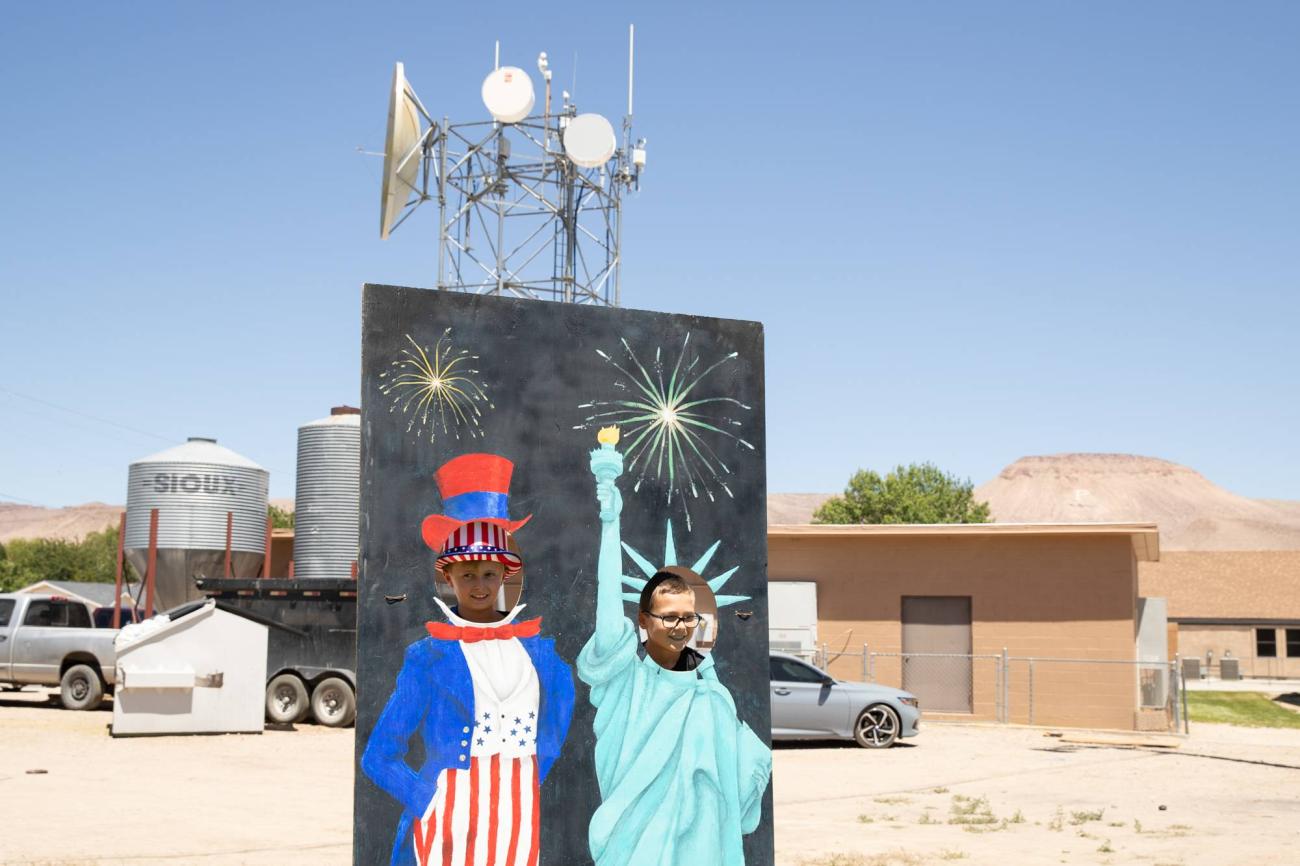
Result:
x=194 y=486
x=328 y=494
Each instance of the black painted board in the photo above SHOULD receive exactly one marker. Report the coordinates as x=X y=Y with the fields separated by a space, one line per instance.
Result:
x=541 y=367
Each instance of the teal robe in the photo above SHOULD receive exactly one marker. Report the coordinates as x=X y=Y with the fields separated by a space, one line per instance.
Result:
x=681 y=777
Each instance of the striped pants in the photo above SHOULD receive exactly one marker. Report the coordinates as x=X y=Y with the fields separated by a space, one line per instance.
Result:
x=486 y=815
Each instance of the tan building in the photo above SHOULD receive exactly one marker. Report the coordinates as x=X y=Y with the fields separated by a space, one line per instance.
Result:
x=1056 y=591
x=1241 y=604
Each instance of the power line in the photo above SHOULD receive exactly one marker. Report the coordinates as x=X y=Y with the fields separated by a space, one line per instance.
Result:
x=68 y=409
x=10 y=496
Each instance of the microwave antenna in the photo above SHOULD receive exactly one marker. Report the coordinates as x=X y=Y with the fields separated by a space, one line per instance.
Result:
x=530 y=201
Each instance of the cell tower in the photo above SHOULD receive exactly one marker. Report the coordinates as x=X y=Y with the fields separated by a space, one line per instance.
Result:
x=529 y=205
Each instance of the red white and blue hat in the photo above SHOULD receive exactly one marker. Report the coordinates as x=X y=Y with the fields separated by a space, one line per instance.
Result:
x=479 y=540
x=473 y=487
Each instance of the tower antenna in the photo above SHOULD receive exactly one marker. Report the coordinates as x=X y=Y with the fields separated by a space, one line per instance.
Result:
x=542 y=192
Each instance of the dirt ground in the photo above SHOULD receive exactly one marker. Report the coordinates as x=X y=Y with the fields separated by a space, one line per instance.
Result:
x=967 y=794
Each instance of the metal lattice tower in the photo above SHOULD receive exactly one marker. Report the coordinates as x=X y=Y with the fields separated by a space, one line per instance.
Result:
x=517 y=216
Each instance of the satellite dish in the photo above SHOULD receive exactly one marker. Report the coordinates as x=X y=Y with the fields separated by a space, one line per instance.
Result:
x=589 y=140
x=508 y=94
x=403 y=135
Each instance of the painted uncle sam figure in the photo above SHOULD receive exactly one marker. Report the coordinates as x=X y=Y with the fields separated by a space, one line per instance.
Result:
x=488 y=696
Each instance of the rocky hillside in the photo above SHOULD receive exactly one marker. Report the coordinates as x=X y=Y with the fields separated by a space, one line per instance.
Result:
x=1193 y=513
x=71 y=523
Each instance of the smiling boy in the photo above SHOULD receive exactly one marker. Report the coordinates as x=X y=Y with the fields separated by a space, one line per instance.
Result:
x=681 y=777
x=491 y=701
x=668 y=617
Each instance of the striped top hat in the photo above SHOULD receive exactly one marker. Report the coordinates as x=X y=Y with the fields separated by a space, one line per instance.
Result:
x=473 y=487
x=479 y=540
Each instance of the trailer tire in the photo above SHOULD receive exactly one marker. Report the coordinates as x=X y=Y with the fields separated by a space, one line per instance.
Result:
x=81 y=688
x=333 y=702
x=286 y=699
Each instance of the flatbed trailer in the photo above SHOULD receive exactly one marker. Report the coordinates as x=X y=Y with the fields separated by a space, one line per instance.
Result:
x=311 y=660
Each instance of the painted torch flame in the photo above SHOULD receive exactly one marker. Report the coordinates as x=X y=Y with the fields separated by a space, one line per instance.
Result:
x=607 y=436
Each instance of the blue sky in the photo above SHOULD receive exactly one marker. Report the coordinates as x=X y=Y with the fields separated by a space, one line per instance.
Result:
x=973 y=231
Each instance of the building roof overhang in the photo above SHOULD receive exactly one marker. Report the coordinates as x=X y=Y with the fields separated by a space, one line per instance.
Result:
x=1145 y=537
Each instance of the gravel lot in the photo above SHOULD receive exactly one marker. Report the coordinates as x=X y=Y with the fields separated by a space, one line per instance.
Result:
x=958 y=793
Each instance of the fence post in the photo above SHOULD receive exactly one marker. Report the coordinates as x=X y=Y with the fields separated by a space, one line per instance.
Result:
x=1031 y=691
x=1182 y=693
x=826 y=657
x=866 y=668
x=1006 y=690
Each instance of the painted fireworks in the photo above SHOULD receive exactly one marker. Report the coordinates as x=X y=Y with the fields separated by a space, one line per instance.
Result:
x=672 y=430
x=438 y=393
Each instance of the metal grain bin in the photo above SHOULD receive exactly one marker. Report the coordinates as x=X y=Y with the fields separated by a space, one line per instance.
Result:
x=328 y=496
x=193 y=486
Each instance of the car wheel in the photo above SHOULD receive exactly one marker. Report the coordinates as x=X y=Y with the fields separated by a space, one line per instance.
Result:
x=80 y=688
x=333 y=703
x=286 y=700
x=877 y=727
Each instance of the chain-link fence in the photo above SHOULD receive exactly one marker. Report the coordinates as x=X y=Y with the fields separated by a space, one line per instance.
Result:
x=1124 y=694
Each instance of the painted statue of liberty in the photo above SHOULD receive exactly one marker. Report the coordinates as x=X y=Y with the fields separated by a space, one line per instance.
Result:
x=681 y=777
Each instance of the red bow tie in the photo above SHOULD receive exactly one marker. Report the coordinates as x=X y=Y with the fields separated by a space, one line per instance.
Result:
x=473 y=634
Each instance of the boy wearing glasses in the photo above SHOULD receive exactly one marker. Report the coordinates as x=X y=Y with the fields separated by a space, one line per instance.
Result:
x=669 y=619
x=681 y=777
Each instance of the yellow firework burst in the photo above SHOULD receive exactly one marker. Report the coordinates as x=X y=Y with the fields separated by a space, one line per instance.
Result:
x=439 y=393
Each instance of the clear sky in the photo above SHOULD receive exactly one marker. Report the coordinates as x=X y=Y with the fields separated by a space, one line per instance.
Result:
x=974 y=231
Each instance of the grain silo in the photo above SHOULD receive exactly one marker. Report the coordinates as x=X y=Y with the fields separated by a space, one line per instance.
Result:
x=328 y=493
x=194 y=486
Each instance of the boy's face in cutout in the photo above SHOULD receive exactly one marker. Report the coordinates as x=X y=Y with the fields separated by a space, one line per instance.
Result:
x=476 y=585
x=666 y=604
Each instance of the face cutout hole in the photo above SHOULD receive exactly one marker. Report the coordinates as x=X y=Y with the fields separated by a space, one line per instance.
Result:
x=507 y=597
x=704 y=637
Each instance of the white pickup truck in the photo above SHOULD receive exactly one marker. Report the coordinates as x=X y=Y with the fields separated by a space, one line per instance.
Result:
x=50 y=640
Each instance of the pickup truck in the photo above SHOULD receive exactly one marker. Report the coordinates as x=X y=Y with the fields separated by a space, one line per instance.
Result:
x=50 y=640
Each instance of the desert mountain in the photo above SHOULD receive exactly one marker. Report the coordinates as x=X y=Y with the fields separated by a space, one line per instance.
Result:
x=71 y=523
x=786 y=508
x=1192 y=512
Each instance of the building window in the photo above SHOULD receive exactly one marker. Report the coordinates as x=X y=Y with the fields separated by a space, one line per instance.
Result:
x=1293 y=643
x=1266 y=643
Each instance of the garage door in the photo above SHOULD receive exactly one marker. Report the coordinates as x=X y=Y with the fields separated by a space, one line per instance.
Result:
x=936 y=652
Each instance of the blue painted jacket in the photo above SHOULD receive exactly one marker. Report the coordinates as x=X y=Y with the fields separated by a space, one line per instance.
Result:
x=434 y=695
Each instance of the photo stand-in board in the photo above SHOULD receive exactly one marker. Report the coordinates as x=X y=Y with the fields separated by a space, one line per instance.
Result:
x=597 y=447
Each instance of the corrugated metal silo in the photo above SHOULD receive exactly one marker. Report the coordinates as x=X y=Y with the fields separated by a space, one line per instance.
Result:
x=193 y=486
x=328 y=495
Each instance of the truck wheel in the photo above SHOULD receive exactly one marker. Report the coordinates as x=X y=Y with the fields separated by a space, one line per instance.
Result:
x=333 y=703
x=80 y=688
x=286 y=699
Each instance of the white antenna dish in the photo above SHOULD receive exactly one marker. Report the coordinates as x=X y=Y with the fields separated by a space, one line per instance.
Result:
x=589 y=140
x=401 y=165
x=508 y=94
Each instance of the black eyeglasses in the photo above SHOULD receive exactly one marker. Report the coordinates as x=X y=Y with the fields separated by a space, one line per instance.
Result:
x=671 y=621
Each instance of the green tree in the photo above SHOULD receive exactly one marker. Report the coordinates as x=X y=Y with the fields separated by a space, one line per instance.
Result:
x=93 y=559
x=280 y=518
x=917 y=493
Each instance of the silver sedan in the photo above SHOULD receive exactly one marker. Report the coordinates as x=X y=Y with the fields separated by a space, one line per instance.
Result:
x=809 y=704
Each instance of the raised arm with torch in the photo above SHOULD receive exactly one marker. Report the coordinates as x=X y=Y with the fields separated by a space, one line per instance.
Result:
x=681 y=777
x=607 y=465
